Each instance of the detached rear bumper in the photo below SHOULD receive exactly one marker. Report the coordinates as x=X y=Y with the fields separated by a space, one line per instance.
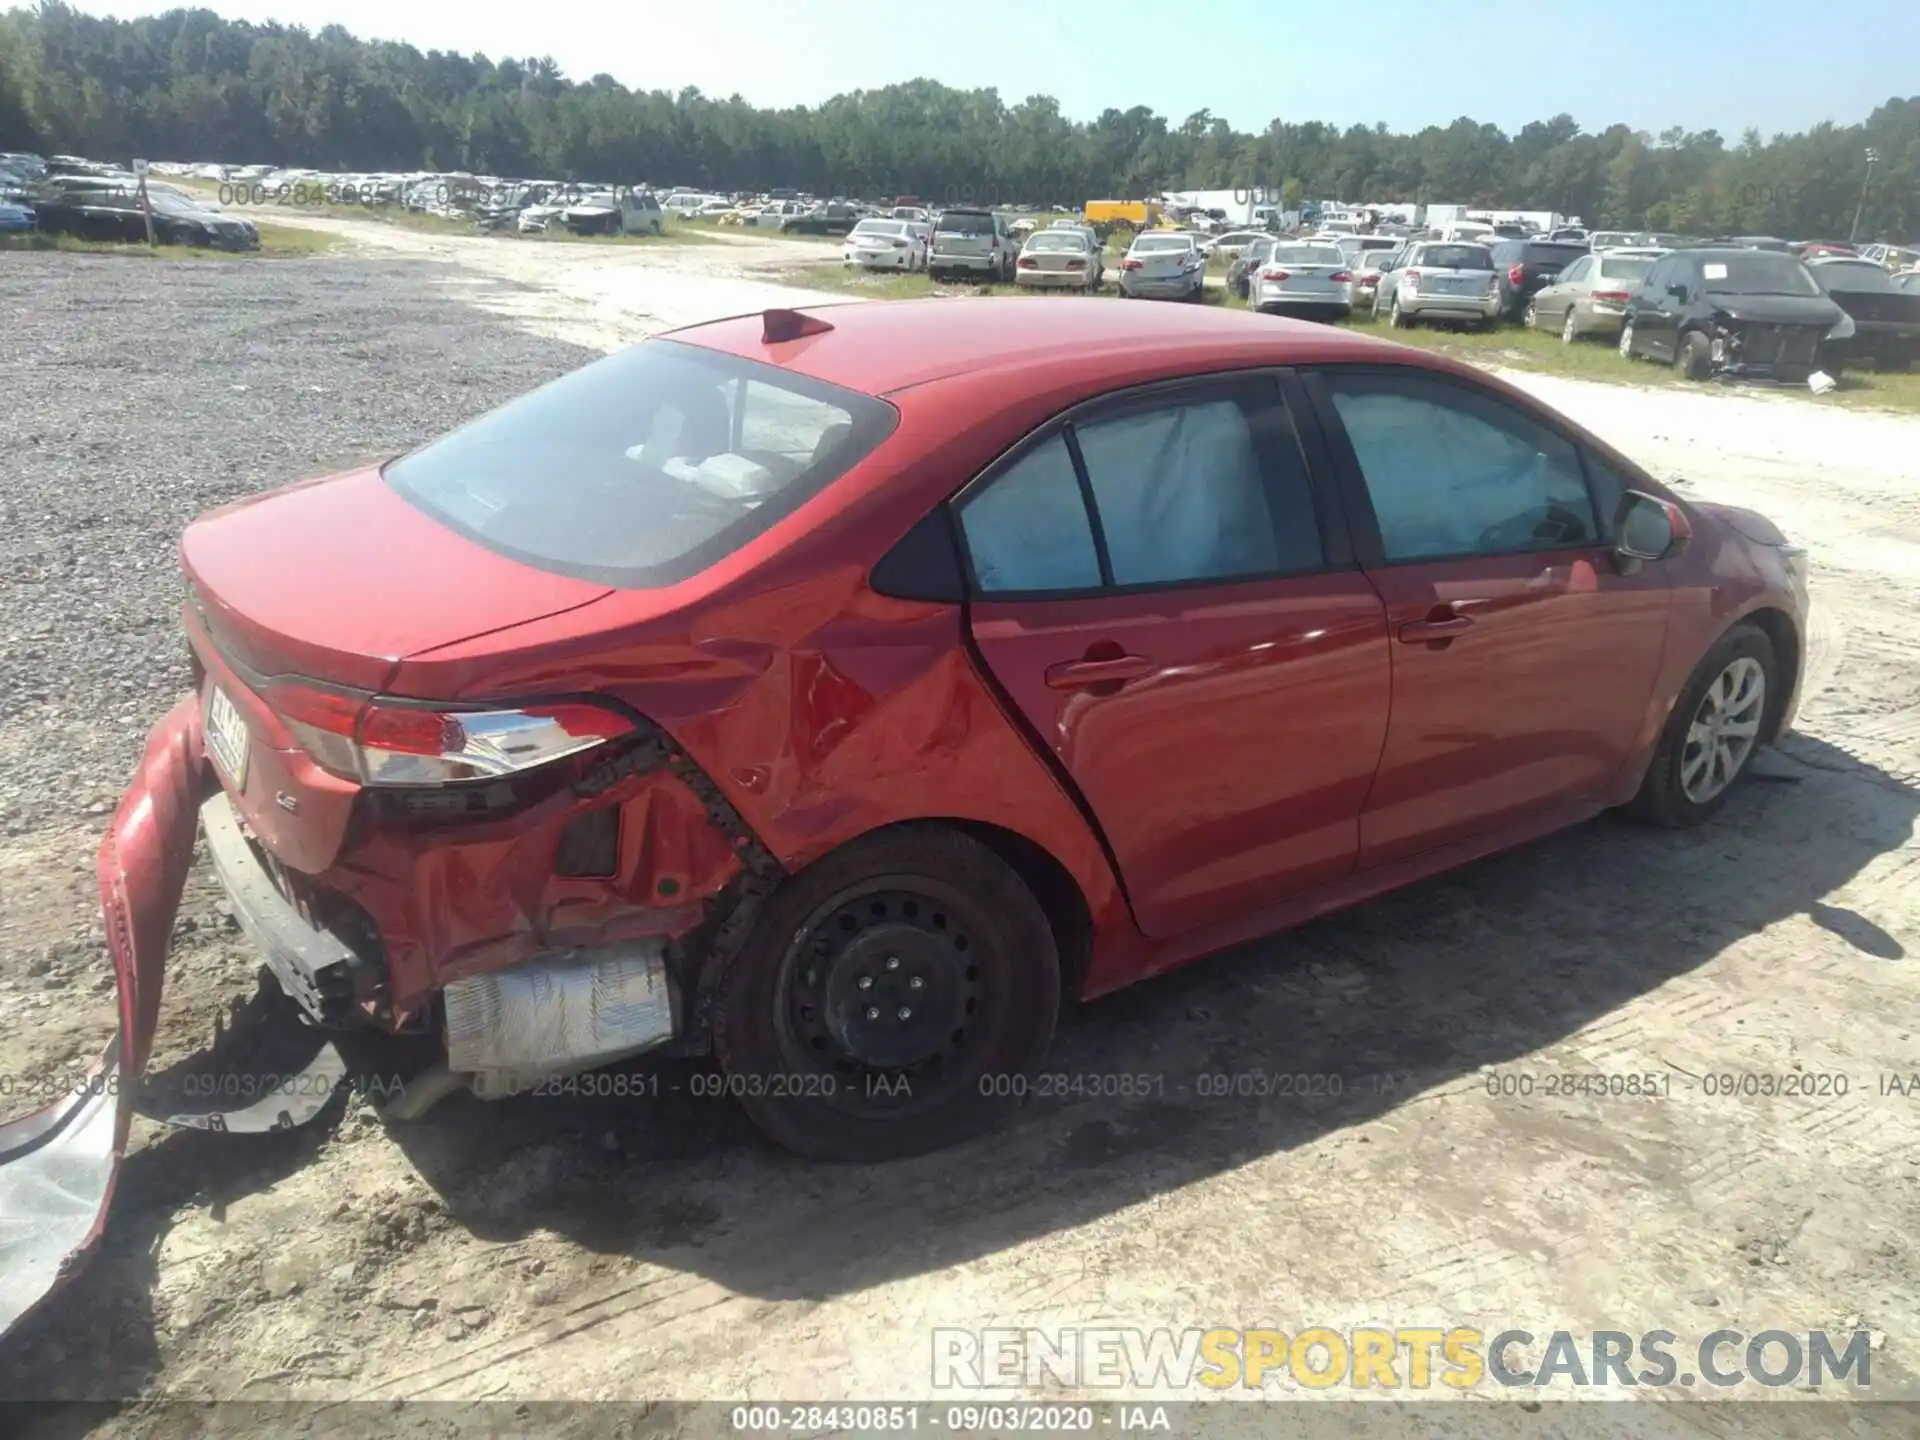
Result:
x=59 y=1165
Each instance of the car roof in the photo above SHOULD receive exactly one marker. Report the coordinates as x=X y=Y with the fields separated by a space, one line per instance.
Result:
x=884 y=347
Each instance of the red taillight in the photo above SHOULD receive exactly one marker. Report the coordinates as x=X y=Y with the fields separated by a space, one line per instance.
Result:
x=383 y=742
x=899 y=244
x=1618 y=297
x=1410 y=277
x=1516 y=275
x=1276 y=275
x=1027 y=262
x=1341 y=277
x=1076 y=264
x=1129 y=264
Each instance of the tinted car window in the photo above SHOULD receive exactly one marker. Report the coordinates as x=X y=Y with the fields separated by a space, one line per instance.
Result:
x=1454 y=257
x=1577 y=270
x=1546 y=254
x=1853 y=275
x=1181 y=496
x=1452 y=472
x=645 y=467
x=1028 y=529
x=966 y=222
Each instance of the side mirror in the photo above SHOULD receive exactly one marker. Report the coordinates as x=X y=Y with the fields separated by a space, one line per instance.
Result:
x=1645 y=527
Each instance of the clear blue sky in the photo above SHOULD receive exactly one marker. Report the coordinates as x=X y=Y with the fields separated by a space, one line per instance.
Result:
x=1721 y=64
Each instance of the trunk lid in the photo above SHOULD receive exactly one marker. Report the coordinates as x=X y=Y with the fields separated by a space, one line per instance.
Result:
x=341 y=578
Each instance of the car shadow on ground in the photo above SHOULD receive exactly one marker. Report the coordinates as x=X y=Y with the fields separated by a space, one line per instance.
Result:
x=1387 y=1003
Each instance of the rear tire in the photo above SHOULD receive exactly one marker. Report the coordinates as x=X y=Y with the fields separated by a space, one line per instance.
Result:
x=1569 y=328
x=1672 y=793
x=1626 y=342
x=814 y=1025
x=1397 y=318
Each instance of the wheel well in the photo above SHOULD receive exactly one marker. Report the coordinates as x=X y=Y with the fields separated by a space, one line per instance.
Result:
x=1779 y=629
x=1053 y=886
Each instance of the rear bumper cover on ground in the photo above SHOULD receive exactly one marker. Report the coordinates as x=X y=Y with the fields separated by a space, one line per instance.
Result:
x=59 y=1165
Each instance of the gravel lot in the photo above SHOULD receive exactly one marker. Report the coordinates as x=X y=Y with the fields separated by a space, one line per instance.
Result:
x=659 y=1249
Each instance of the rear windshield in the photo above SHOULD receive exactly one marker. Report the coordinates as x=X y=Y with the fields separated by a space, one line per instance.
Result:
x=1625 y=267
x=1550 y=254
x=1853 y=275
x=645 y=467
x=1755 y=272
x=1456 y=257
x=966 y=222
x=1307 y=255
x=1065 y=241
x=881 y=227
x=1153 y=243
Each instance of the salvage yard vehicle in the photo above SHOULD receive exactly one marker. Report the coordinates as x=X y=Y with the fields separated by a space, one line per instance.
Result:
x=1743 y=313
x=884 y=245
x=1060 y=259
x=975 y=242
x=828 y=218
x=1590 y=296
x=1894 y=258
x=1522 y=268
x=1885 y=318
x=608 y=212
x=1163 y=265
x=1367 y=270
x=838 y=692
x=1311 y=281
x=115 y=215
x=1440 y=280
x=1240 y=272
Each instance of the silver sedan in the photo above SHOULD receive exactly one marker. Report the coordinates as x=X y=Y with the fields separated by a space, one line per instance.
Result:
x=1303 y=280
x=1163 y=265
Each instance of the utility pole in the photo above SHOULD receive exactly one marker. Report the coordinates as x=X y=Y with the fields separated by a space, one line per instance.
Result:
x=1854 y=234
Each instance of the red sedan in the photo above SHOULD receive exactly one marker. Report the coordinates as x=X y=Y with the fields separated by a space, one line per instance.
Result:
x=837 y=692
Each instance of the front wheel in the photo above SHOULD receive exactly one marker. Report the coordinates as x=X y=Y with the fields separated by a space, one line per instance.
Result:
x=886 y=997
x=1712 y=732
x=1695 y=357
x=1531 y=319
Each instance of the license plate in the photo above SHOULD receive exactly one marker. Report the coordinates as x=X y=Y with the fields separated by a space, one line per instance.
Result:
x=226 y=730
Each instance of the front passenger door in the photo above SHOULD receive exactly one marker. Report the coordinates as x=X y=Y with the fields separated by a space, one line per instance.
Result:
x=1523 y=660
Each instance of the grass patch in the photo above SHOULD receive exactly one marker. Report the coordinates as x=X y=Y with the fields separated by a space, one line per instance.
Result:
x=276 y=242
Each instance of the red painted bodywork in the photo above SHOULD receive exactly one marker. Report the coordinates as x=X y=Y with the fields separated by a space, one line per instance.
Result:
x=1284 y=754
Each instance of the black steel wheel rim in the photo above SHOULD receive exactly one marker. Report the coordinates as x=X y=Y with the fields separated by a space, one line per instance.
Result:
x=886 y=988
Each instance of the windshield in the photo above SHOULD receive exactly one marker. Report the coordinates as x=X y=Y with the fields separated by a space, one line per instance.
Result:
x=645 y=467
x=1455 y=257
x=1159 y=244
x=966 y=222
x=1853 y=275
x=1307 y=255
x=1756 y=272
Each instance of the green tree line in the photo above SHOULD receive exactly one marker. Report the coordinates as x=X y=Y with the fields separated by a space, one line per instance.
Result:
x=190 y=85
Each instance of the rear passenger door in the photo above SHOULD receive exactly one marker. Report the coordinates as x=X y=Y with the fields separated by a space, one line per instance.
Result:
x=1176 y=617
x=1523 y=660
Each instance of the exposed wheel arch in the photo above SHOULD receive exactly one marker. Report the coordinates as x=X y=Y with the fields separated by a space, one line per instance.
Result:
x=1789 y=655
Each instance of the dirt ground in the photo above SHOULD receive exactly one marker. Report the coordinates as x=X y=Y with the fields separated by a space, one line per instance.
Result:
x=657 y=1249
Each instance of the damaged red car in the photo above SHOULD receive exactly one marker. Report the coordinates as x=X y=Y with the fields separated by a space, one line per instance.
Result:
x=837 y=692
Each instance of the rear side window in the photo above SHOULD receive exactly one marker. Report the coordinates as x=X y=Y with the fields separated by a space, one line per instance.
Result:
x=1029 y=529
x=1207 y=486
x=1180 y=494
x=643 y=468
x=1544 y=254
